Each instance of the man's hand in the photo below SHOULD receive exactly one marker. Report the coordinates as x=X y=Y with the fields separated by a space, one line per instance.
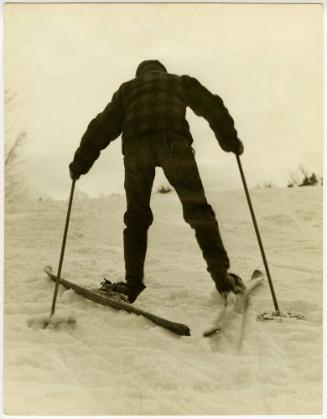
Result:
x=240 y=148
x=73 y=175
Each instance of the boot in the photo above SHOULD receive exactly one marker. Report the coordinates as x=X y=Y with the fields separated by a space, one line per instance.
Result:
x=132 y=291
x=226 y=281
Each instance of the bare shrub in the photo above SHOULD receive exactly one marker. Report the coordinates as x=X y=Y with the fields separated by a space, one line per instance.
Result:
x=303 y=177
x=164 y=189
x=14 y=177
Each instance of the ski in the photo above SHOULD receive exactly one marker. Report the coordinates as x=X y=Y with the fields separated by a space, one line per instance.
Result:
x=115 y=301
x=235 y=304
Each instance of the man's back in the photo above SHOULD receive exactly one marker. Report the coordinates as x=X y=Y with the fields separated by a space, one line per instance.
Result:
x=154 y=101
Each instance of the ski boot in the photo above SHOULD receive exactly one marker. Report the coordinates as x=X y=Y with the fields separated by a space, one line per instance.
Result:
x=230 y=283
x=128 y=290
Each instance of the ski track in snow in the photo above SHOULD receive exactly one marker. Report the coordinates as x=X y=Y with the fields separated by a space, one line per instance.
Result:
x=115 y=363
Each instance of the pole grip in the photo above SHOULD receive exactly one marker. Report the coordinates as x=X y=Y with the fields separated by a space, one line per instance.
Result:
x=256 y=228
x=63 y=246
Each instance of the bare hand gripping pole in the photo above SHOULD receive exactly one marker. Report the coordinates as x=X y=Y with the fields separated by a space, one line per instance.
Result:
x=258 y=236
x=61 y=259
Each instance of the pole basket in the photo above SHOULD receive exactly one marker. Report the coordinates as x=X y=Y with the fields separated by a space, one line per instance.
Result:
x=280 y=316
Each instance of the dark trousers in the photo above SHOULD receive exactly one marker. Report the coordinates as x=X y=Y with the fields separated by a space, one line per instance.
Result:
x=176 y=157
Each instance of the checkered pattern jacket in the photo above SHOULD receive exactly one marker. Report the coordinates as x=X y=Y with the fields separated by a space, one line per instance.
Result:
x=154 y=101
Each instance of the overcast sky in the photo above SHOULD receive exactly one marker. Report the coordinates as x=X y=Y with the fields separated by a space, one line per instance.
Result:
x=65 y=61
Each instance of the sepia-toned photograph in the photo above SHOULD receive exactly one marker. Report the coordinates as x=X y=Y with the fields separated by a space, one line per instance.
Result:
x=163 y=209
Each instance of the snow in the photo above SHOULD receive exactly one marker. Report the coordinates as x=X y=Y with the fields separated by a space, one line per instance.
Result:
x=115 y=363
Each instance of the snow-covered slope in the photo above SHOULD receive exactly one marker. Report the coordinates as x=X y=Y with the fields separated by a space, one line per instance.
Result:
x=114 y=363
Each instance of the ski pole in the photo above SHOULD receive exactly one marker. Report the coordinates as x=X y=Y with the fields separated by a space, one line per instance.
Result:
x=258 y=235
x=61 y=259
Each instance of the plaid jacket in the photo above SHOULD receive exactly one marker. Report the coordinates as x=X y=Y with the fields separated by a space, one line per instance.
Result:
x=154 y=101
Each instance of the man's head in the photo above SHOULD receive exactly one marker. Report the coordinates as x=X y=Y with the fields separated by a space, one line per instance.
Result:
x=150 y=65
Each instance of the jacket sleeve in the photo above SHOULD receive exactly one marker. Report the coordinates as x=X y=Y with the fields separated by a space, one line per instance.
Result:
x=211 y=107
x=103 y=129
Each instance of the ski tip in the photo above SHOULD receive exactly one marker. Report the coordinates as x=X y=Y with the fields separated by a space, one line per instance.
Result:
x=186 y=331
x=257 y=274
x=211 y=332
x=178 y=328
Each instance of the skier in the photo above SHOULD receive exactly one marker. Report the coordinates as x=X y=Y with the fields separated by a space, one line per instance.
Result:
x=149 y=112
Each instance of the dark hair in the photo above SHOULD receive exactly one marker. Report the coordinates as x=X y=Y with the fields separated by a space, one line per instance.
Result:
x=149 y=65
